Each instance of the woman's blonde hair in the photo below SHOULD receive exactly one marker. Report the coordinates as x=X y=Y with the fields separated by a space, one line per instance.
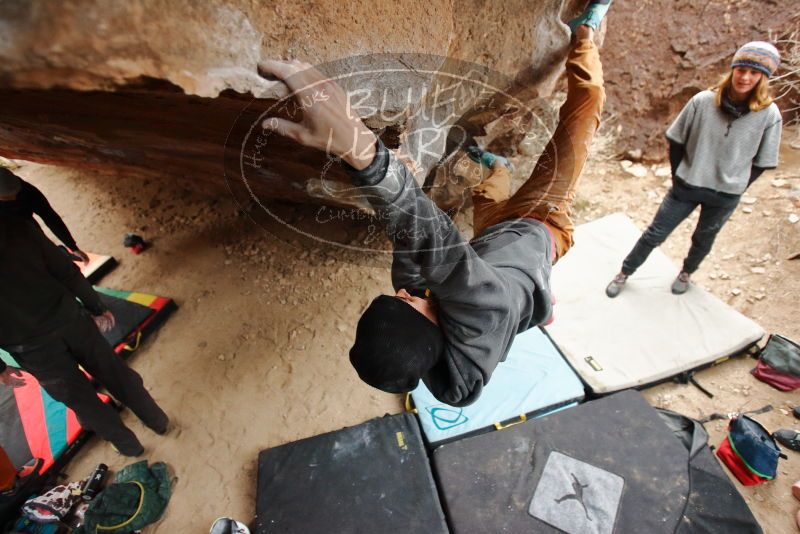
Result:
x=760 y=96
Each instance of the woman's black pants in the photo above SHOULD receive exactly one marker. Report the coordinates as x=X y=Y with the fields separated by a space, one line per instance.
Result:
x=715 y=210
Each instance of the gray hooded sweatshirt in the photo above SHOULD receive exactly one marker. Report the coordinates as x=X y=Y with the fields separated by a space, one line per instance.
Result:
x=487 y=290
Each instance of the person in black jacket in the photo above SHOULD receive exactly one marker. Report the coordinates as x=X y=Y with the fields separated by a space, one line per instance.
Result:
x=18 y=197
x=50 y=333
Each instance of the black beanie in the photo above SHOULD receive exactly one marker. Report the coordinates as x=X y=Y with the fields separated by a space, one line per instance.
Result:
x=395 y=345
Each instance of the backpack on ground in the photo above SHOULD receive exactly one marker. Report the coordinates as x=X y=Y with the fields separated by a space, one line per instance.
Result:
x=779 y=363
x=749 y=451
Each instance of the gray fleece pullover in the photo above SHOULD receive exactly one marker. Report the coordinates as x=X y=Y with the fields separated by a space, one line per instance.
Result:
x=487 y=291
x=721 y=150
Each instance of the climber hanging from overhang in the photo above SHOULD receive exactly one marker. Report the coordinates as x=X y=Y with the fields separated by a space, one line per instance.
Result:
x=458 y=304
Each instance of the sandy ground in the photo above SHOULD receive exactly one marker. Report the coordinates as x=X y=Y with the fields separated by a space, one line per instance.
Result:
x=256 y=354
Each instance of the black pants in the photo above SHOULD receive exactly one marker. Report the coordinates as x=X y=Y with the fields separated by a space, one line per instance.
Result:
x=55 y=366
x=715 y=210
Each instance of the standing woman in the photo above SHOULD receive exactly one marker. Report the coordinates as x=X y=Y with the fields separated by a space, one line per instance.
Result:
x=723 y=139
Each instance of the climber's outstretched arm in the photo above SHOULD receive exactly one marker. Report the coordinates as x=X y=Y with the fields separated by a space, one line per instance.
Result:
x=328 y=121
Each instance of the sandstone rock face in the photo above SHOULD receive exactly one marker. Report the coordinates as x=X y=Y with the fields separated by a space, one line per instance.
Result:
x=169 y=87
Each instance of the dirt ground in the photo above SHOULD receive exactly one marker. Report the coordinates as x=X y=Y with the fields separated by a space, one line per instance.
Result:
x=256 y=354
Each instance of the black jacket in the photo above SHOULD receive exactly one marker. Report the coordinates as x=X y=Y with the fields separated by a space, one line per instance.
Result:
x=29 y=201
x=487 y=290
x=38 y=287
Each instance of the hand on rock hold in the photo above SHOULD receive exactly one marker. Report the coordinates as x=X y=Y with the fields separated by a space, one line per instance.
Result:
x=328 y=123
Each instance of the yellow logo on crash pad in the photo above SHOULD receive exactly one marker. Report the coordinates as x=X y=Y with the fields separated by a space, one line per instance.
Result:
x=401 y=441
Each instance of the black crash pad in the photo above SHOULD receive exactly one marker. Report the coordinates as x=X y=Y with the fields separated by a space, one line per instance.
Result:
x=611 y=465
x=371 y=478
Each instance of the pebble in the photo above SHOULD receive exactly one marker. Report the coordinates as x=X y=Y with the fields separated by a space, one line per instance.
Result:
x=221 y=357
x=736 y=291
x=793 y=218
x=625 y=163
x=747 y=210
x=758 y=270
x=784 y=412
x=637 y=170
x=748 y=200
x=635 y=154
x=662 y=172
x=780 y=183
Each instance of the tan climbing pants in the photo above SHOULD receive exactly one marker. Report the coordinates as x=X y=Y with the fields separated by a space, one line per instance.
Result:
x=548 y=193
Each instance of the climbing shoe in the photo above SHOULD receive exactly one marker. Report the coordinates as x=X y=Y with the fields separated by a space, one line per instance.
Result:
x=132 y=450
x=592 y=16
x=788 y=438
x=226 y=525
